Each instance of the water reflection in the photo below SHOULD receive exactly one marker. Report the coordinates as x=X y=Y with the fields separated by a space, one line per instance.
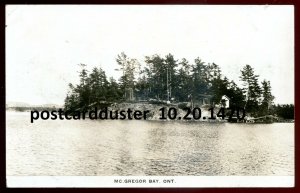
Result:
x=147 y=148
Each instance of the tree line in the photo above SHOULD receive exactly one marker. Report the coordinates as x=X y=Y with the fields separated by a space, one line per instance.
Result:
x=167 y=78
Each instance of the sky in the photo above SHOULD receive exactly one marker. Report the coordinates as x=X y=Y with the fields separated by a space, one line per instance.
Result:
x=45 y=43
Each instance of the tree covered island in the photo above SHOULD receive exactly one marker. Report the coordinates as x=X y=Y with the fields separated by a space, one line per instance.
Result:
x=169 y=81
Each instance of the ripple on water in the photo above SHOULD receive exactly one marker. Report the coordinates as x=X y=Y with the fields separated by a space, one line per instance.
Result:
x=147 y=148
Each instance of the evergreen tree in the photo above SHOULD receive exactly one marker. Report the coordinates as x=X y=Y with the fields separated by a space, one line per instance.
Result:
x=114 y=93
x=156 y=76
x=219 y=87
x=184 y=81
x=267 y=97
x=71 y=101
x=199 y=76
x=83 y=89
x=129 y=67
x=236 y=95
x=213 y=72
x=251 y=88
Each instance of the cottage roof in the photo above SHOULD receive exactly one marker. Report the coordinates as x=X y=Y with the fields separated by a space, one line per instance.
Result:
x=225 y=97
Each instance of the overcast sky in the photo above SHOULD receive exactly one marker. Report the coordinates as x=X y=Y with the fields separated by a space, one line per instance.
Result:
x=44 y=44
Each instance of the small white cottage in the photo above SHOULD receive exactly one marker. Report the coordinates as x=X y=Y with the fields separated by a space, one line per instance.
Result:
x=225 y=100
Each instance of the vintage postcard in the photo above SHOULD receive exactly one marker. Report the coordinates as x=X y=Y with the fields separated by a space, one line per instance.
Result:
x=150 y=96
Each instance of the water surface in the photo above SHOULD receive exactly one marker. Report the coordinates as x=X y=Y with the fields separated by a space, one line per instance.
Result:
x=132 y=147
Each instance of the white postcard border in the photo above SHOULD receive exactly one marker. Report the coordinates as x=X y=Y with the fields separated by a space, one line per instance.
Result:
x=150 y=181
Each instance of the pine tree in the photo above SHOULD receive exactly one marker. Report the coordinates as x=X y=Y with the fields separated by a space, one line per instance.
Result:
x=199 y=74
x=129 y=67
x=156 y=73
x=251 y=88
x=267 y=97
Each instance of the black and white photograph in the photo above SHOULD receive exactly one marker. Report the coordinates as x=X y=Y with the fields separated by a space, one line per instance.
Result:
x=149 y=95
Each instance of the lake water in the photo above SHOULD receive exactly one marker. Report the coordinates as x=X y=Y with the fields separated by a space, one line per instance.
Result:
x=112 y=147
